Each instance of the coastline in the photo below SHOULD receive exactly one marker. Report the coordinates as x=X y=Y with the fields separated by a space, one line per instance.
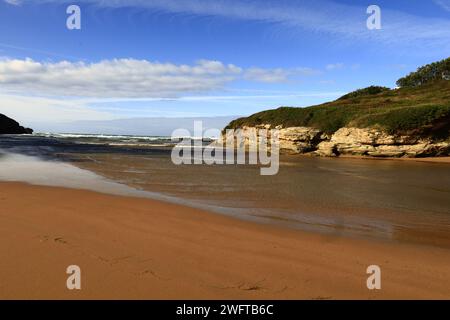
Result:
x=442 y=159
x=148 y=249
x=424 y=159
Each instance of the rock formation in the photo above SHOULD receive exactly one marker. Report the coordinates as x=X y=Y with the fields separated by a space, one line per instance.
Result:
x=376 y=143
x=10 y=126
x=353 y=141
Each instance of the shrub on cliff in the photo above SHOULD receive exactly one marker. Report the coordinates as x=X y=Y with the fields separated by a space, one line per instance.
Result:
x=433 y=120
x=372 y=90
x=395 y=111
x=420 y=106
x=426 y=74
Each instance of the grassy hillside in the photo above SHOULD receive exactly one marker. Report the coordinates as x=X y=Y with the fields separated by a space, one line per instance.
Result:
x=423 y=110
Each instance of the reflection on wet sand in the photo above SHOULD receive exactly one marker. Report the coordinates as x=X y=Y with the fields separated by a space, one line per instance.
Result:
x=393 y=200
x=382 y=199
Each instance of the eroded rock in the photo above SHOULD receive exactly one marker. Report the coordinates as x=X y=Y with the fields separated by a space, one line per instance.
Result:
x=353 y=141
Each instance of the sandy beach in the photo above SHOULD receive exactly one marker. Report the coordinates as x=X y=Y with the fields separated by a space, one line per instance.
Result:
x=193 y=153
x=139 y=248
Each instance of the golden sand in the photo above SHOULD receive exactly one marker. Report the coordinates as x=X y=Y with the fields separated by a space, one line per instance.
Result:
x=139 y=248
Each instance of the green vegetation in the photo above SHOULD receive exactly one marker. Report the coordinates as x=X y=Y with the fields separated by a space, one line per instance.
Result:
x=422 y=110
x=426 y=74
x=364 y=92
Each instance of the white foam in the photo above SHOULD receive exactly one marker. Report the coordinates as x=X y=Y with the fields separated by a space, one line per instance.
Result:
x=101 y=136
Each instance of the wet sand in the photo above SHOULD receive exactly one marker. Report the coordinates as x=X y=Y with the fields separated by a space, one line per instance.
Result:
x=427 y=159
x=391 y=200
x=399 y=201
x=147 y=249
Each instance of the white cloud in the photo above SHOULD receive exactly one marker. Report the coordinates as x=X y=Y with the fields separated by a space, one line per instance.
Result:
x=334 y=66
x=129 y=77
x=113 y=78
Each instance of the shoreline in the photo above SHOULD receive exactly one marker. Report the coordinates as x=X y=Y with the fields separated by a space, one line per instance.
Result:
x=443 y=159
x=136 y=248
x=359 y=221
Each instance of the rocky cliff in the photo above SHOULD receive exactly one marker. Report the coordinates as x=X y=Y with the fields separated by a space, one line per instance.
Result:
x=376 y=143
x=353 y=141
x=10 y=126
x=410 y=121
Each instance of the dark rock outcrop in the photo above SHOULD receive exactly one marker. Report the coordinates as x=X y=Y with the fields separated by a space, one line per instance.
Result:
x=10 y=126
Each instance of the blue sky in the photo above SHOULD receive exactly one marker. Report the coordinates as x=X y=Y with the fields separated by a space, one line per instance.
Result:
x=172 y=58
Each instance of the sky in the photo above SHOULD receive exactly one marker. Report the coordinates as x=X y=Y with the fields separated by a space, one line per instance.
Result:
x=204 y=58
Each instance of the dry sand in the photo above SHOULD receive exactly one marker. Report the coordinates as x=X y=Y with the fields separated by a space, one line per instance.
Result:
x=139 y=248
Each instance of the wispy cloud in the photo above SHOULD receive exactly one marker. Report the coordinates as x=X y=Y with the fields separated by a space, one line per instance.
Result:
x=13 y=2
x=35 y=109
x=263 y=95
x=129 y=77
x=321 y=16
x=334 y=66
x=444 y=4
x=34 y=50
x=277 y=75
x=31 y=109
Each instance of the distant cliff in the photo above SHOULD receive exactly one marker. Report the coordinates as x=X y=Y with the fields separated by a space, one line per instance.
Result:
x=411 y=121
x=10 y=126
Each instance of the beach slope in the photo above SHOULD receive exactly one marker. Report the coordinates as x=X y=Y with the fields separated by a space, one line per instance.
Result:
x=135 y=248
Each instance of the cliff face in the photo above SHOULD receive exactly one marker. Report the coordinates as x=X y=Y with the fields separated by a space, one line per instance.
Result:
x=410 y=121
x=395 y=124
x=376 y=143
x=10 y=126
x=354 y=141
x=292 y=139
